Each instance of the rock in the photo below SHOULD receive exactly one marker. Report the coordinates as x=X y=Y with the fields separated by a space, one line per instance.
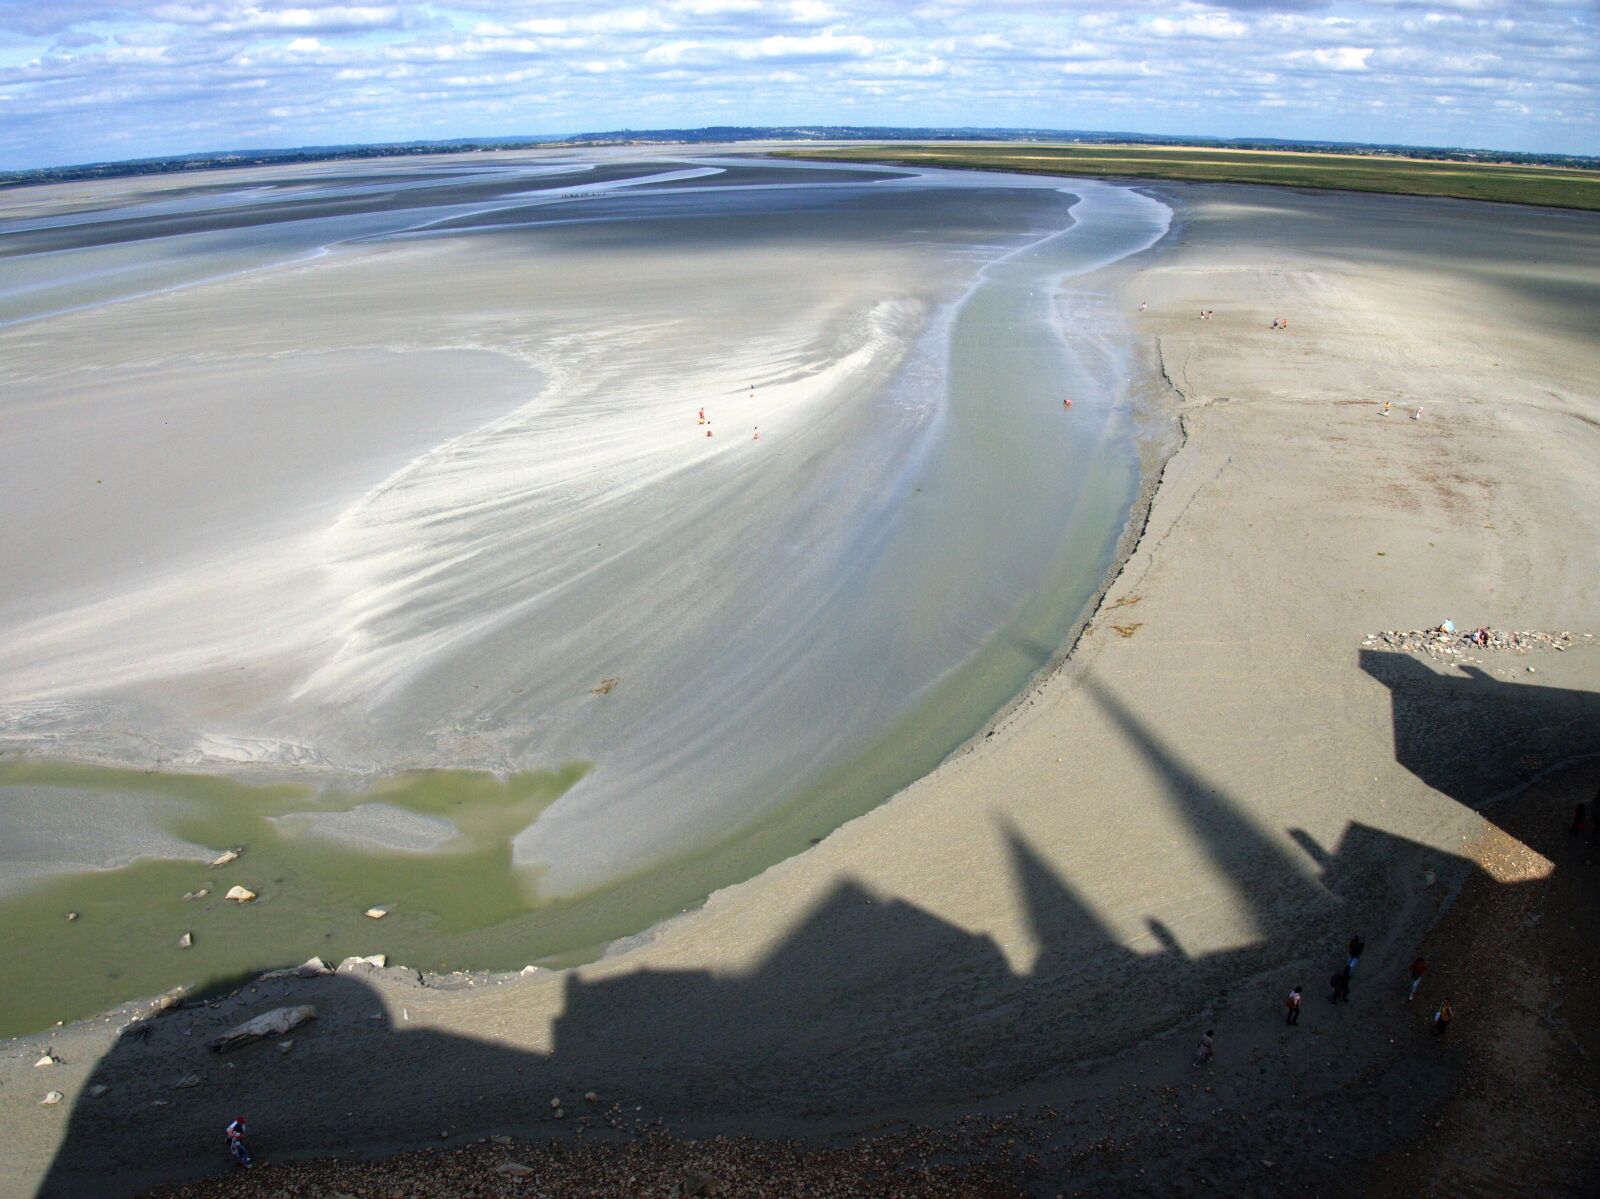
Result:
x=223 y=858
x=240 y=894
x=556 y=1102
x=698 y=1182
x=284 y=1046
x=377 y=913
x=49 y=1059
x=514 y=1169
x=269 y=1024
x=310 y=968
x=186 y=940
x=501 y=1140
x=72 y=916
x=376 y=961
x=98 y=1090
x=526 y=970
x=187 y=1081
x=560 y=1115
x=590 y=1097
x=200 y=894
x=51 y=1099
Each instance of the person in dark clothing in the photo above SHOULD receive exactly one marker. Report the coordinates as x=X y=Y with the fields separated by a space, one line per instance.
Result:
x=1418 y=969
x=1293 y=1004
x=1341 y=985
x=1442 y=1018
x=1357 y=946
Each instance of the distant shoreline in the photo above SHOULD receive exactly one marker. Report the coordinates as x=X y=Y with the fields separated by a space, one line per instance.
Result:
x=238 y=159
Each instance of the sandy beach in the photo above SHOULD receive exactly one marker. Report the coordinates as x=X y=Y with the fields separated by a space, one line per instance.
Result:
x=1225 y=780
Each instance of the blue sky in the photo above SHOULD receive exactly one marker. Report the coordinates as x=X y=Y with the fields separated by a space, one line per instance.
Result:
x=83 y=80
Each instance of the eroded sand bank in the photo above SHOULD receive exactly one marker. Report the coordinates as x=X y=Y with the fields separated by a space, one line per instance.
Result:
x=1193 y=815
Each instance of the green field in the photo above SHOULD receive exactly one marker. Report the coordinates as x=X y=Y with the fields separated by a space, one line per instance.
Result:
x=1557 y=187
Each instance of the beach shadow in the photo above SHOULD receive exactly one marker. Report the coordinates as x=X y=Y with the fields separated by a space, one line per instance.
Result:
x=1472 y=736
x=871 y=1007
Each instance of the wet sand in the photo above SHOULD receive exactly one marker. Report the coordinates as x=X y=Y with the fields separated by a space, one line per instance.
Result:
x=433 y=496
x=1192 y=815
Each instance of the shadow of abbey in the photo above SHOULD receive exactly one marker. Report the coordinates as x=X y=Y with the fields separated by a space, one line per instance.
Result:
x=871 y=1007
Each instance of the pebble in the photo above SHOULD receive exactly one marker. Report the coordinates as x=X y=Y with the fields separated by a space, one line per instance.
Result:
x=51 y=1099
x=186 y=940
x=377 y=913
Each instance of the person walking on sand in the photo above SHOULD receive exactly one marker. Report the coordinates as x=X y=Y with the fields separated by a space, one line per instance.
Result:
x=1143 y=304
x=1206 y=1050
x=1293 y=1004
x=1442 y=1018
x=702 y=416
x=236 y=1145
x=1417 y=415
x=1385 y=411
x=1341 y=985
x=756 y=436
x=1357 y=945
x=1418 y=969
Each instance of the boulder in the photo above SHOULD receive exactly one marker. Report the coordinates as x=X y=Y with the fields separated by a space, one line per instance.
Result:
x=240 y=894
x=269 y=1024
x=49 y=1059
x=376 y=961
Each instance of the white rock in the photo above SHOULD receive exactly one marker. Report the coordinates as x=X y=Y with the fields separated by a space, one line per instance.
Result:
x=240 y=894
x=188 y=1080
x=591 y=1097
x=376 y=960
x=377 y=913
x=51 y=1099
x=284 y=1046
x=223 y=858
x=269 y=1024
x=556 y=1102
x=200 y=894
x=526 y=970
x=186 y=940
x=72 y=915
x=48 y=1059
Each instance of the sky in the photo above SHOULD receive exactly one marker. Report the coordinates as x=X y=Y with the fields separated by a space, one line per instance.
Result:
x=94 y=80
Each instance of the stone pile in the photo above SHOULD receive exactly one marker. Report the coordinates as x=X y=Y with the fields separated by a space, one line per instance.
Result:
x=1461 y=644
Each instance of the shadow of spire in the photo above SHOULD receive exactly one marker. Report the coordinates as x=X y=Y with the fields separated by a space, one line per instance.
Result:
x=1262 y=873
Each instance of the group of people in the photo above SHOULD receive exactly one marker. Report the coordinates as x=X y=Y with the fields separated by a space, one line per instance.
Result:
x=756 y=435
x=1340 y=982
x=1388 y=407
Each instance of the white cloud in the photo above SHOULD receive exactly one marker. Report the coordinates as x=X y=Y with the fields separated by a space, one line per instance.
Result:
x=1514 y=72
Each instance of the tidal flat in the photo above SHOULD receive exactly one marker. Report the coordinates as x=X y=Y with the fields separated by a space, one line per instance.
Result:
x=369 y=525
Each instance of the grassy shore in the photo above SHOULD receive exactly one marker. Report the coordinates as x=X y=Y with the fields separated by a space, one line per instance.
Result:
x=1556 y=187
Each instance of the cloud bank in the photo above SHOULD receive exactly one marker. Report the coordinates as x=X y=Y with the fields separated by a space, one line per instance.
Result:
x=82 y=80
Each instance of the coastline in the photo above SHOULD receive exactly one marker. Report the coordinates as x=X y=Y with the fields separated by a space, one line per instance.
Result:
x=981 y=933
